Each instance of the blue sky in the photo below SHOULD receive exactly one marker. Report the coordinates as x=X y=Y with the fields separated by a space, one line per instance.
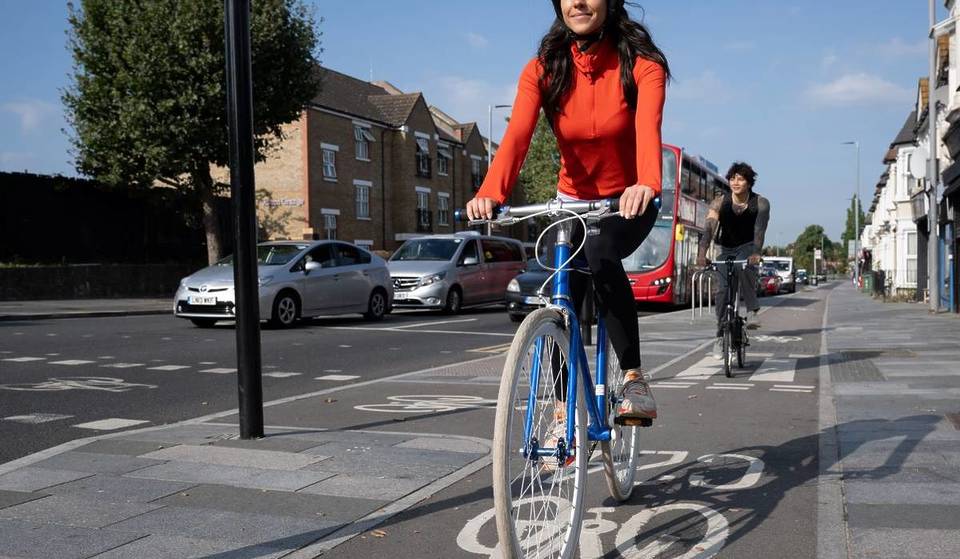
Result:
x=779 y=84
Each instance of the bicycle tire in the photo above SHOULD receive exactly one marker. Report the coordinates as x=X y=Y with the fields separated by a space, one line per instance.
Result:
x=742 y=346
x=519 y=484
x=621 y=454
x=726 y=351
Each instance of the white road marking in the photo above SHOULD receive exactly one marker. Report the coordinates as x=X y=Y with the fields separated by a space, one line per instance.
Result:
x=6 y=352
x=25 y=359
x=281 y=375
x=219 y=371
x=168 y=367
x=446 y=352
x=337 y=377
x=775 y=370
x=807 y=386
x=722 y=387
x=72 y=362
x=333 y=370
x=110 y=424
x=122 y=365
x=701 y=370
x=674 y=384
x=51 y=335
x=455 y=332
x=798 y=356
x=51 y=354
x=207 y=363
x=36 y=418
x=419 y=324
x=345 y=345
x=106 y=357
x=744 y=384
x=791 y=390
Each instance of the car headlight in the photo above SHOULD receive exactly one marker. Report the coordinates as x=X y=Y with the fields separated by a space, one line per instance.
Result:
x=513 y=286
x=661 y=281
x=429 y=280
x=264 y=280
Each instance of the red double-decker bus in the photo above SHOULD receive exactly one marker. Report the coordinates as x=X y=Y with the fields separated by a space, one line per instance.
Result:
x=660 y=270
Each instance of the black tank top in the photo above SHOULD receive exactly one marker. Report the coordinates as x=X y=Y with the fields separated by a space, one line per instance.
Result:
x=737 y=229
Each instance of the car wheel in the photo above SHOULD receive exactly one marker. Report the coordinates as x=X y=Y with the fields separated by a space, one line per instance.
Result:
x=203 y=322
x=286 y=310
x=377 y=306
x=454 y=301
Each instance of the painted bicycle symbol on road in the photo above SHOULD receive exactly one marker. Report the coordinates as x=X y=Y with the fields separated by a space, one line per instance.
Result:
x=103 y=384
x=777 y=339
x=428 y=403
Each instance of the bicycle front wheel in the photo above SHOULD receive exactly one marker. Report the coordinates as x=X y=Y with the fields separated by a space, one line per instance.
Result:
x=727 y=357
x=538 y=500
x=622 y=452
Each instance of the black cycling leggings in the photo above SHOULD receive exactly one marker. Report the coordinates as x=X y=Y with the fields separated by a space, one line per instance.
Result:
x=617 y=239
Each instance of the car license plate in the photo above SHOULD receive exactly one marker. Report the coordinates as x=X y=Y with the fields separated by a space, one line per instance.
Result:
x=532 y=300
x=399 y=296
x=202 y=300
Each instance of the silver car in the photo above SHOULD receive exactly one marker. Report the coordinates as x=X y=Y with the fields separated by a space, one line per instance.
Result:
x=452 y=271
x=297 y=279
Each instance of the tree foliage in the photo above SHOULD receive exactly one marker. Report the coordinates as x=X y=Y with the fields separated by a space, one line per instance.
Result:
x=810 y=239
x=538 y=176
x=147 y=101
x=848 y=232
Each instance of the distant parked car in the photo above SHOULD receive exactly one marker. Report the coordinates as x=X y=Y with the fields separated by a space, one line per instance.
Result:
x=297 y=279
x=450 y=272
x=769 y=282
x=802 y=278
x=522 y=295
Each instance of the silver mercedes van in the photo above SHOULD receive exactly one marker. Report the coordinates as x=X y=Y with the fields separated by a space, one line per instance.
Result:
x=450 y=272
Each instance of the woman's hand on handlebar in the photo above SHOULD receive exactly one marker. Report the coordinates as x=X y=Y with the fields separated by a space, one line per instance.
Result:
x=481 y=208
x=635 y=199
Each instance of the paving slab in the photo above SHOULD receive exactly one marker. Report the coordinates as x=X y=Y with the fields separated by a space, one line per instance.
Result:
x=11 y=498
x=244 y=457
x=275 y=503
x=368 y=487
x=127 y=447
x=447 y=444
x=40 y=541
x=119 y=489
x=884 y=543
x=71 y=510
x=32 y=478
x=96 y=463
x=173 y=547
x=282 y=532
x=253 y=478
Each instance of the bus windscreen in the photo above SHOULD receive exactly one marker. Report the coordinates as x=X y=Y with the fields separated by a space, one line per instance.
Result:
x=668 y=181
x=653 y=252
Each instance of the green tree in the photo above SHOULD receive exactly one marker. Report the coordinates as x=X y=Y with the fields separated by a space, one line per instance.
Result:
x=538 y=176
x=147 y=101
x=848 y=232
x=810 y=239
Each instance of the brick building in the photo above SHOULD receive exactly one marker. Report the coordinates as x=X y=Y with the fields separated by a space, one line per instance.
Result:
x=370 y=164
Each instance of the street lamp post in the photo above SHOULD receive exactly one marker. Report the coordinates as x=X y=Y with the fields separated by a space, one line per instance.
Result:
x=856 y=219
x=490 y=140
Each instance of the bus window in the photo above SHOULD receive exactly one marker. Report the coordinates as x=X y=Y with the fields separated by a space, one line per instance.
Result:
x=654 y=250
x=669 y=182
x=685 y=178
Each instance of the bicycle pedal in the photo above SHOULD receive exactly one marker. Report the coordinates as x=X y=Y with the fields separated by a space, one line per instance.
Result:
x=633 y=421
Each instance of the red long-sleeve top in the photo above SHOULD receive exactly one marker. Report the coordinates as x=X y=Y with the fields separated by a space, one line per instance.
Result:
x=604 y=147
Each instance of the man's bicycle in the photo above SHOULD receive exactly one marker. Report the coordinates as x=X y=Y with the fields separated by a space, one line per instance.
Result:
x=539 y=457
x=733 y=329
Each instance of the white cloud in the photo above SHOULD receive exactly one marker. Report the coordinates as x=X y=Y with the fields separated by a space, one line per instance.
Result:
x=858 y=89
x=899 y=47
x=705 y=87
x=477 y=41
x=31 y=112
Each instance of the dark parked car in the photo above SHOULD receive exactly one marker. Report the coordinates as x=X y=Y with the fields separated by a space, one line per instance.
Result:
x=802 y=277
x=522 y=290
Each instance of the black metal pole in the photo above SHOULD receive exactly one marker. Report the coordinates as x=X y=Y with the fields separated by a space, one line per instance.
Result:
x=240 y=112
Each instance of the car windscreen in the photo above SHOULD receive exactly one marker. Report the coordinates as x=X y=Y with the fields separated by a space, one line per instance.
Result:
x=270 y=255
x=427 y=249
x=653 y=252
x=782 y=266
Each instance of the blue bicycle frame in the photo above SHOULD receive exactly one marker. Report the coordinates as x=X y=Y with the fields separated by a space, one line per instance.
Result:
x=577 y=365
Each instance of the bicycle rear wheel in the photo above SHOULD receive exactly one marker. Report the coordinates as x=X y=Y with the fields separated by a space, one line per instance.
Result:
x=742 y=344
x=622 y=452
x=538 y=502
x=727 y=357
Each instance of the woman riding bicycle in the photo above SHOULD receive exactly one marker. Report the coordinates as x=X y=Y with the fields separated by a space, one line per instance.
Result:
x=601 y=81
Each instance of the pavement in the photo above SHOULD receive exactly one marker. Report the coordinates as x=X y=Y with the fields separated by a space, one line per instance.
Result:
x=888 y=483
x=73 y=308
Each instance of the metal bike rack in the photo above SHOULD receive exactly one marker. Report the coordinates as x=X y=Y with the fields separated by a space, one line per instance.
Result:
x=696 y=286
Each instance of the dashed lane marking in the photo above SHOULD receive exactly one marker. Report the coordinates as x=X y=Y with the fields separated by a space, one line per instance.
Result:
x=723 y=387
x=219 y=371
x=803 y=390
x=106 y=357
x=419 y=324
x=207 y=363
x=72 y=362
x=806 y=386
x=775 y=370
x=25 y=359
x=111 y=424
x=52 y=354
x=169 y=367
x=281 y=375
x=337 y=377
x=122 y=365
x=36 y=418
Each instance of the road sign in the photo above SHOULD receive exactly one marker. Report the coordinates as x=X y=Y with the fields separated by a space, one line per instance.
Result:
x=817 y=253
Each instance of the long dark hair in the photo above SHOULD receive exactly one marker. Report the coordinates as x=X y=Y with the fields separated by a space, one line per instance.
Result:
x=631 y=38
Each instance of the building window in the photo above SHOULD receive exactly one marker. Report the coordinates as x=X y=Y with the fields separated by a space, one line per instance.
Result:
x=911 y=258
x=362 y=137
x=423 y=157
x=444 y=155
x=443 y=209
x=363 y=201
x=475 y=174
x=329 y=164
x=329 y=226
x=424 y=221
